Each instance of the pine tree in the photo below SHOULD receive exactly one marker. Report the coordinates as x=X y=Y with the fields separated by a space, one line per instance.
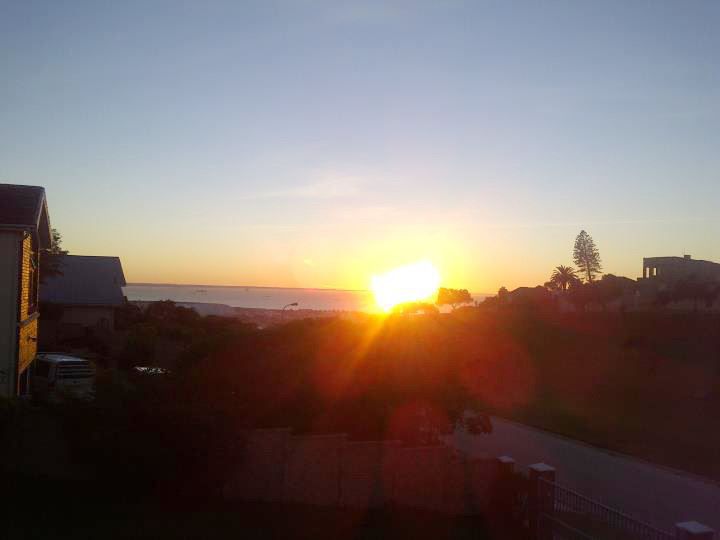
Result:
x=587 y=256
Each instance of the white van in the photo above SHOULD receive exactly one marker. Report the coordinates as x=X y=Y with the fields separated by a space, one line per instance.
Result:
x=57 y=374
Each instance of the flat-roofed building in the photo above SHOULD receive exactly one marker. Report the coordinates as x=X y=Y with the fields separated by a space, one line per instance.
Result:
x=673 y=269
x=680 y=284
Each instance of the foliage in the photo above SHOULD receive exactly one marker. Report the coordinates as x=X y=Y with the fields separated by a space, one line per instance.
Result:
x=412 y=308
x=697 y=291
x=140 y=433
x=563 y=277
x=601 y=293
x=589 y=376
x=395 y=377
x=8 y=415
x=51 y=258
x=502 y=294
x=453 y=297
x=413 y=377
x=586 y=256
x=165 y=322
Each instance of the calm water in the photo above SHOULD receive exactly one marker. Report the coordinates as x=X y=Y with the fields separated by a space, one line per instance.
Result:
x=251 y=297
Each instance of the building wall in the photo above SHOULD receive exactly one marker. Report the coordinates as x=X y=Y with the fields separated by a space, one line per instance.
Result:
x=28 y=331
x=25 y=278
x=28 y=344
x=9 y=249
x=678 y=268
x=88 y=316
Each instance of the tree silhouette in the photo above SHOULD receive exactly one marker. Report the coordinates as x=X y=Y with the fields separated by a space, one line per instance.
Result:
x=563 y=277
x=502 y=294
x=411 y=308
x=453 y=297
x=587 y=256
x=51 y=258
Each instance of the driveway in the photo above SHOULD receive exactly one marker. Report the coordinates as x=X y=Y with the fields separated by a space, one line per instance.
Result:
x=657 y=495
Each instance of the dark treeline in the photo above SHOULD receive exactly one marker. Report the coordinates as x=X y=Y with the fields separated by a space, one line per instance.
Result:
x=636 y=382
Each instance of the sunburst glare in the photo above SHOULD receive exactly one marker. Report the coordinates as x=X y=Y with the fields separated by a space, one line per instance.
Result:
x=409 y=283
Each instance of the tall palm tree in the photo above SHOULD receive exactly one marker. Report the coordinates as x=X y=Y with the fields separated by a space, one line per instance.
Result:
x=563 y=277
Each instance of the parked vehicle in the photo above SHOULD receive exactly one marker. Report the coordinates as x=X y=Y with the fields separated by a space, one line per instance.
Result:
x=57 y=375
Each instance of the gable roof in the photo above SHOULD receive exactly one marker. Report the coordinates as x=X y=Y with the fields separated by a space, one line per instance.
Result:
x=86 y=281
x=25 y=208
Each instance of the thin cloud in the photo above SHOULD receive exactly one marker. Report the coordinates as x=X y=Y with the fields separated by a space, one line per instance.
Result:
x=540 y=224
x=334 y=188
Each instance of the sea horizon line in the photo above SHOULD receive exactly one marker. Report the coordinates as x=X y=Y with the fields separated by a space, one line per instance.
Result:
x=149 y=284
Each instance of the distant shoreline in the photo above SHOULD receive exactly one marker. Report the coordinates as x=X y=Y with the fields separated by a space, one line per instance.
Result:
x=484 y=295
x=243 y=287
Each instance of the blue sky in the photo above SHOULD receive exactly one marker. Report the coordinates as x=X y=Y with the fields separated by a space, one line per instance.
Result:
x=313 y=143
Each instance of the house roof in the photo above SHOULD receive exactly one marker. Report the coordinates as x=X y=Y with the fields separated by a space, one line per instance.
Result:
x=85 y=281
x=25 y=208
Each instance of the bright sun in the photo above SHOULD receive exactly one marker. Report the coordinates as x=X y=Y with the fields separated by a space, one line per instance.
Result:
x=410 y=283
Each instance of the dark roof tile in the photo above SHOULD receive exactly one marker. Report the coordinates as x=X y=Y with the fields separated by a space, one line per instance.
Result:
x=86 y=280
x=20 y=205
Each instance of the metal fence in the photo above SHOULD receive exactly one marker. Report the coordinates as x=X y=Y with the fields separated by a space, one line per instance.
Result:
x=570 y=515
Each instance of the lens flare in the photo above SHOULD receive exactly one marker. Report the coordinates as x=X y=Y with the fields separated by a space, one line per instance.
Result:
x=410 y=283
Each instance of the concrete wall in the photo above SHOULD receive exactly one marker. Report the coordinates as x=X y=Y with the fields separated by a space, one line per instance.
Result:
x=420 y=475
x=328 y=470
x=367 y=473
x=261 y=476
x=312 y=469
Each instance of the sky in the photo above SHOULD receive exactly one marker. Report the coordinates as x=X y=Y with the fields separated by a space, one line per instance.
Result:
x=314 y=143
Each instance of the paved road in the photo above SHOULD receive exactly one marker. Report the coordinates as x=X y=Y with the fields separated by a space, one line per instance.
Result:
x=657 y=495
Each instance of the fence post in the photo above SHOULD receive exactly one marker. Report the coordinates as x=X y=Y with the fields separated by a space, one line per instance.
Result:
x=506 y=464
x=692 y=530
x=541 y=501
x=505 y=492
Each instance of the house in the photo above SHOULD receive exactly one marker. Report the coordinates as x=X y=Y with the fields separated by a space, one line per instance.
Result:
x=81 y=300
x=673 y=269
x=24 y=231
x=680 y=283
x=529 y=296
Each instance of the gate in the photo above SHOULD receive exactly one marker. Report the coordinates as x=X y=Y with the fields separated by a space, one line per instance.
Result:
x=556 y=512
x=570 y=515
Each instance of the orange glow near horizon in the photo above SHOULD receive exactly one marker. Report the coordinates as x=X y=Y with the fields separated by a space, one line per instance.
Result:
x=414 y=282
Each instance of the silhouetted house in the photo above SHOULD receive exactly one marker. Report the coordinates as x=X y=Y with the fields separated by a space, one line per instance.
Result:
x=82 y=300
x=530 y=296
x=24 y=231
x=680 y=283
x=673 y=269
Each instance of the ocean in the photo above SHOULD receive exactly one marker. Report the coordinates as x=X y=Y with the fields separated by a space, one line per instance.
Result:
x=260 y=297
x=256 y=297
